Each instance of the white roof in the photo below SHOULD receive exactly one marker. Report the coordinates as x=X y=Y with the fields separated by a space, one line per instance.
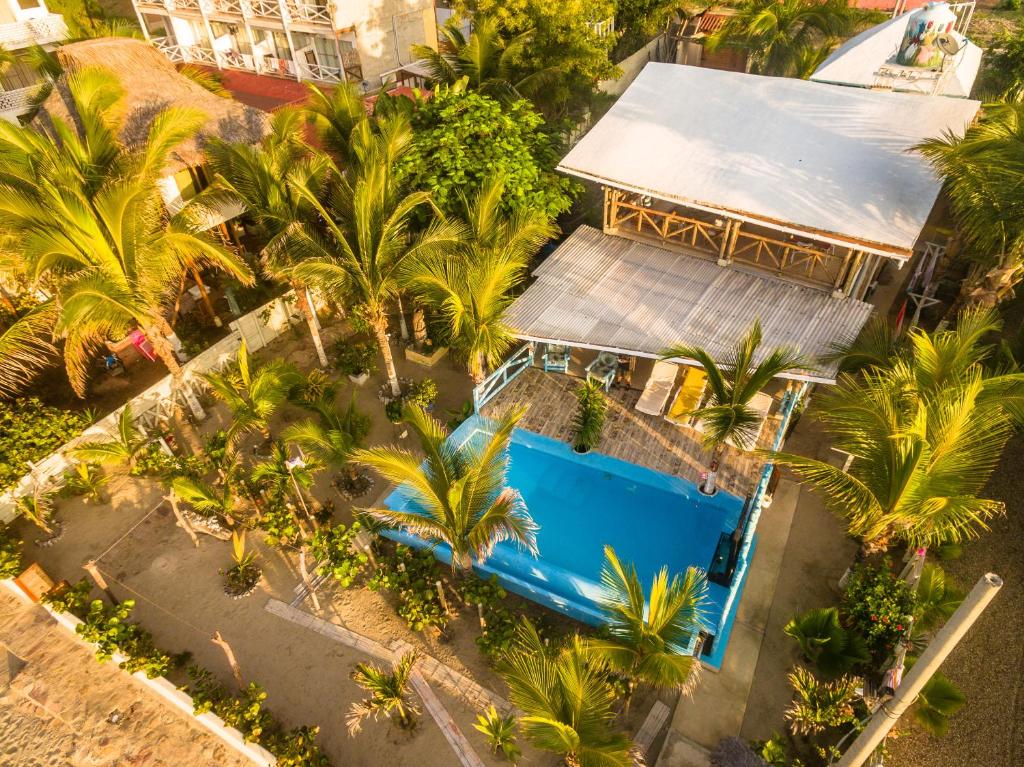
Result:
x=825 y=161
x=856 y=61
x=600 y=291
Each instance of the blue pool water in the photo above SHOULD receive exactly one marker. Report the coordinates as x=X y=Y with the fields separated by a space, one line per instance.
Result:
x=582 y=503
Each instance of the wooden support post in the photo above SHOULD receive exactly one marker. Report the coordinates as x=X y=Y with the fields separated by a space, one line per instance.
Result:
x=443 y=598
x=844 y=267
x=736 y=225
x=724 y=260
x=480 y=612
x=182 y=522
x=205 y=296
x=236 y=670
x=851 y=278
x=306 y=580
x=91 y=568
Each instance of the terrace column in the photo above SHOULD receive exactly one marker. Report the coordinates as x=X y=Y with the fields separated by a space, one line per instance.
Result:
x=209 y=32
x=286 y=22
x=141 y=20
x=732 y=233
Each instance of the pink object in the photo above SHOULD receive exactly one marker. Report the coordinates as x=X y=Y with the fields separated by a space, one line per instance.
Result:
x=140 y=342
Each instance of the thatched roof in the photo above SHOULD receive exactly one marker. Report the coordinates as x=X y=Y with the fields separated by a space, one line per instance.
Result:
x=151 y=83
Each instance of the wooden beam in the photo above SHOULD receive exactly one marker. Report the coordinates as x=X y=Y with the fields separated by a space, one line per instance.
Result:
x=723 y=259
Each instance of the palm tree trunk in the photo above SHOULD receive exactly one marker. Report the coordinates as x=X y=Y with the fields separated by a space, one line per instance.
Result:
x=311 y=321
x=163 y=350
x=477 y=368
x=401 y=319
x=380 y=329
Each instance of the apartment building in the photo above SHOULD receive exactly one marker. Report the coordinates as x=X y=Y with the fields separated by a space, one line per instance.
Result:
x=23 y=24
x=325 y=41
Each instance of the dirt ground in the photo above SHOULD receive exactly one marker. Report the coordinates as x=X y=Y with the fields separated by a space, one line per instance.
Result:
x=180 y=599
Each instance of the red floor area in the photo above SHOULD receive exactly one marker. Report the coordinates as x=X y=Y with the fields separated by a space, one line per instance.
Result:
x=263 y=91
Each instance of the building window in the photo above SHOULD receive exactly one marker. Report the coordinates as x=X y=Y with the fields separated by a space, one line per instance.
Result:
x=28 y=5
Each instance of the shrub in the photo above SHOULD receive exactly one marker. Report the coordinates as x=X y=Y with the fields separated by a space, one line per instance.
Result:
x=154 y=462
x=825 y=643
x=500 y=630
x=87 y=480
x=297 y=748
x=877 y=605
x=734 y=752
x=10 y=554
x=411 y=575
x=422 y=393
x=819 y=705
x=30 y=431
x=591 y=406
x=70 y=599
x=500 y=731
x=109 y=629
x=279 y=525
x=334 y=548
x=355 y=357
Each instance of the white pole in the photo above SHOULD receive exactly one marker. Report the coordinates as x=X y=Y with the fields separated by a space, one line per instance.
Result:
x=885 y=717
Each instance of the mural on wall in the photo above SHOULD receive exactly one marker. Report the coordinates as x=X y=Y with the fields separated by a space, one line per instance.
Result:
x=919 y=47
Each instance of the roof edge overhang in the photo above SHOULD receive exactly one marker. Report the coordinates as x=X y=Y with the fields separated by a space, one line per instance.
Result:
x=900 y=255
x=810 y=377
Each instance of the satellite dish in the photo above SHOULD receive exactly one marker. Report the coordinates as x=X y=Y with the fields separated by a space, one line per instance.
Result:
x=948 y=44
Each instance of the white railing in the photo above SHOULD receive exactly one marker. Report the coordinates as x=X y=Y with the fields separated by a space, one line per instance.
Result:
x=185 y=53
x=186 y=5
x=520 y=360
x=232 y=7
x=603 y=28
x=41 y=31
x=269 y=8
x=321 y=72
x=18 y=101
x=309 y=12
x=259 y=327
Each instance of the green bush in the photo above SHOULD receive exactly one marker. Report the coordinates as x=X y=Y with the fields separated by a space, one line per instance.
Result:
x=30 y=431
x=877 y=605
x=154 y=462
x=422 y=393
x=10 y=554
x=411 y=576
x=109 y=629
x=588 y=421
x=70 y=599
x=279 y=525
x=333 y=547
x=353 y=358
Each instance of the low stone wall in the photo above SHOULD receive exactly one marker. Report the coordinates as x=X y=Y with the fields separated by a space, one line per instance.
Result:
x=168 y=692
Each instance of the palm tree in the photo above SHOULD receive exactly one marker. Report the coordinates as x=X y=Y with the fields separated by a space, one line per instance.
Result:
x=461 y=491
x=918 y=464
x=982 y=171
x=331 y=439
x=648 y=636
x=389 y=694
x=726 y=415
x=85 y=210
x=566 y=701
x=488 y=61
x=335 y=115
x=263 y=179
x=123 y=449
x=366 y=239
x=280 y=475
x=825 y=642
x=220 y=502
x=252 y=396
x=780 y=35
x=474 y=288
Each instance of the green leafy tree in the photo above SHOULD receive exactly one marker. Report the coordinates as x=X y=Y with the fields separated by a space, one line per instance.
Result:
x=825 y=642
x=465 y=502
x=649 y=634
x=566 y=701
x=264 y=179
x=1002 y=73
x=982 y=171
x=780 y=35
x=564 y=39
x=389 y=694
x=463 y=138
x=473 y=288
x=86 y=212
x=726 y=415
x=486 y=59
x=124 y=448
x=252 y=395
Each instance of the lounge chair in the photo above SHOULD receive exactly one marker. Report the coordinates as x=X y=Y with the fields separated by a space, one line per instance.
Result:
x=603 y=369
x=657 y=389
x=556 y=359
x=761 y=404
x=688 y=397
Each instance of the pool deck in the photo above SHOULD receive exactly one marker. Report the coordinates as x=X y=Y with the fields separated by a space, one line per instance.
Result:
x=629 y=435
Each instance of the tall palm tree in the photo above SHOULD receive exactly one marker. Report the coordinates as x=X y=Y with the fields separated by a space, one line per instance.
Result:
x=123 y=449
x=465 y=502
x=780 y=35
x=366 y=233
x=335 y=115
x=264 y=179
x=918 y=463
x=733 y=382
x=486 y=59
x=648 y=635
x=208 y=501
x=566 y=701
x=982 y=171
x=473 y=288
x=332 y=438
x=280 y=476
x=389 y=694
x=85 y=209
x=252 y=396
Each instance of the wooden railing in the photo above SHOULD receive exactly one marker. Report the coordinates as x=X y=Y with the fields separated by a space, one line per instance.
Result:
x=308 y=12
x=817 y=265
x=266 y=8
x=666 y=225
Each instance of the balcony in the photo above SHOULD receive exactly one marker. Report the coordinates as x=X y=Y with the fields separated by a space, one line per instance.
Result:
x=41 y=31
x=266 y=65
x=310 y=13
x=268 y=9
x=15 y=103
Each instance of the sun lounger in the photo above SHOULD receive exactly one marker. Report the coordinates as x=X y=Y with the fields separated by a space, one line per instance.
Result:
x=688 y=397
x=658 y=387
x=603 y=369
x=556 y=359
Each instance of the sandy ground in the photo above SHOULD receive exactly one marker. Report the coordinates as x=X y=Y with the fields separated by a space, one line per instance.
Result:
x=179 y=597
x=58 y=708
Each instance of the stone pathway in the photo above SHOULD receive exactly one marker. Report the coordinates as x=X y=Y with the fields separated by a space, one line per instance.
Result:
x=465 y=753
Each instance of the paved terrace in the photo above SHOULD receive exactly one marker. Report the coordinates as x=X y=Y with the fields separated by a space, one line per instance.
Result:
x=628 y=434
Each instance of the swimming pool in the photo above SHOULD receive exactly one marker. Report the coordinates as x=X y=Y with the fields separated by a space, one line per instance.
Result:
x=582 y=503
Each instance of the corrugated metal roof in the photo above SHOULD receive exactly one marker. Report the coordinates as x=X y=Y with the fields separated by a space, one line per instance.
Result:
x=607 y=292
x=834 y=163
